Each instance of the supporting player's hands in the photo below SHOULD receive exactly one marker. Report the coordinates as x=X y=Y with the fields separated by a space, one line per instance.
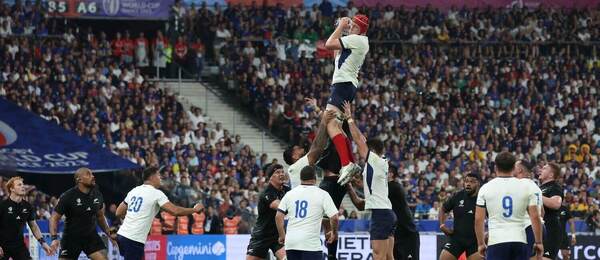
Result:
x=47 y=249
x=482 y=249
x=347 y=110
x=198 y=207
x=54 y=245
x=447 y=231
x=311 y=102
x=328 y=115
x=331 y=236
x=539 y=250
x=281 y=239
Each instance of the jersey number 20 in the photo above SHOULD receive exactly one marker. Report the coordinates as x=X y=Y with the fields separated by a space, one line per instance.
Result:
x=301 y=206
x=135 y=204
x=507 y=204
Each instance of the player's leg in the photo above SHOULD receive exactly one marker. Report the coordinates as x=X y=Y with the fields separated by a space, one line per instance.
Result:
x=337 y=193
x=383 y=222
x=257 y=250
x=564 y=247
x=94 y=248
x=129 y=249
x=390 y=248
x=471 y=251
x=279 y=252
x=551 y=242
x=379 y=248
x=451 y=250
x=70 y=248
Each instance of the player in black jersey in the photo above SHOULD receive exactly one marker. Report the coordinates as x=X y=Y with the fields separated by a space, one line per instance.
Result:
x=462 y=237
x=552 y=196
x=264 y=235
x=406 y=237
x=83 y=207
x=566 y=243
x=14 y=213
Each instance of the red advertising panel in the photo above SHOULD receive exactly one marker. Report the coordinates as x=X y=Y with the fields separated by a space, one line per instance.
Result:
x=156 y=248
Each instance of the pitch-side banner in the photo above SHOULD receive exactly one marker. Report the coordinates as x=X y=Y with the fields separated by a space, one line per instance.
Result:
x=110 y=9
x=29 y=143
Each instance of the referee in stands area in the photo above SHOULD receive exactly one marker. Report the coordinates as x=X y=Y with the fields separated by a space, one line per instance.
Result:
x=264 y=235
x=83 y=207
x=15 y=211
x=462 y=238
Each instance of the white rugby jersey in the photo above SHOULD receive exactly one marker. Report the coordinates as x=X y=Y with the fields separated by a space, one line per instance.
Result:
x=375 y=178
x=350 y=58
x=538 y=192
x=506 y=200
x=143 y=203
x=305 y=207
x=295 y=169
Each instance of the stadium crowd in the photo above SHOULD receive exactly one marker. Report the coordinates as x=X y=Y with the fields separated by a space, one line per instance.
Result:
x=444 y=107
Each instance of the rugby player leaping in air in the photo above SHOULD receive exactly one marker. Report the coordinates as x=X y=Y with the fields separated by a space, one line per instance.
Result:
x=350 y=52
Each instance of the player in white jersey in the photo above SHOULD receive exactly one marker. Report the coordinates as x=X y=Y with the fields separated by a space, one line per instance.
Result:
x=139 y=208
x=350 y=52
x=295 y=156
x=507 y=201
x=305 y=206
x=375 y=178
x=523 y=169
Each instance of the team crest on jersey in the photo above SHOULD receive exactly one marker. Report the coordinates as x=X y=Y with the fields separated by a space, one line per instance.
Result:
x=24 y=210
x=78 y=200
x=96 y=201
x=462 y=202
x=9 y=210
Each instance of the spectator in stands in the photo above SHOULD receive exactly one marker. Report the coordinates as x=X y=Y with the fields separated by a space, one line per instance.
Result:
x=212 y=224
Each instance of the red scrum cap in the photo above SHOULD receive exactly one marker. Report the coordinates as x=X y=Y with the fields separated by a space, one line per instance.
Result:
x=362 y=21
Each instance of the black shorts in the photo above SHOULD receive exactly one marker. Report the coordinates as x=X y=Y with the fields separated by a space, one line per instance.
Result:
x=260 y=246
x=71 y=246
x=336 y=191
x=129 y=249
x=383 y=224
x=552 y=240
x=340 y=92
x=303 y=255
x=510 y=250
x=406 y=246
x=16 y=252
x=456 y=247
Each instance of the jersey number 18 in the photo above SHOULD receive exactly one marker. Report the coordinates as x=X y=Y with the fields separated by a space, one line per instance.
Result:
x=301 y=206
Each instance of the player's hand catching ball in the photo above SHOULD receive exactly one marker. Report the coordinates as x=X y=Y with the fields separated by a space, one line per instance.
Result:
x=328 y=115
x=281 y=240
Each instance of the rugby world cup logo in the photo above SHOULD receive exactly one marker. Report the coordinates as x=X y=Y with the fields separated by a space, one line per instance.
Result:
x=111 y=7
x=7 y=134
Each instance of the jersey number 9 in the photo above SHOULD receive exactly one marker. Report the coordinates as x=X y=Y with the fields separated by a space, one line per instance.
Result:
x=135 y=204
x=507 y=204
x=301 y=206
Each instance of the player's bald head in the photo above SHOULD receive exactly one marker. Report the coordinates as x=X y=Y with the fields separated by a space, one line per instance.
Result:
x=80 y=172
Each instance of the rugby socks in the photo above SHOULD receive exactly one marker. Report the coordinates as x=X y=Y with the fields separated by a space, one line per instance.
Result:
x=349 y=146
x=341 y=146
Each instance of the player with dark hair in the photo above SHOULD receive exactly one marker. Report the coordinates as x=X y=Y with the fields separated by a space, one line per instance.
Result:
x=565 y=242
x=140 y=206
x=83 y=207
x=552 y=197
x=264 y=235
x=523 y=170
x=375 y=183
x=305 y=205
x=462 y=205
x=15 y=211
x=507 y=201
x=295 y=156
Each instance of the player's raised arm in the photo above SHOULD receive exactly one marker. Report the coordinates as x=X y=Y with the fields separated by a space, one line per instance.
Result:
x=333 y=42
x=357 y=136
x=181 y=211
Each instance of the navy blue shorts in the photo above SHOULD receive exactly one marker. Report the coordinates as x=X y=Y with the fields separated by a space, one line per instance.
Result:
x=383 y=224
x=129 y=249
x=340 y=92
x=303 y=255
x=507 y=251
x=531 y=239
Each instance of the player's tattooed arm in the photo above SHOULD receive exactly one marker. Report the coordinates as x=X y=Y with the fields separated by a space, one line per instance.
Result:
x=357 y=136
x=318 y=145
